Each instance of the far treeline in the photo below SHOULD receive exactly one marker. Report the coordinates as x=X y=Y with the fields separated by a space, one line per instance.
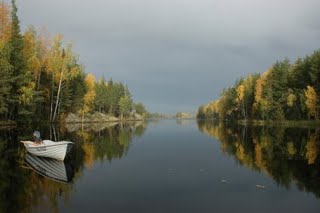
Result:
x=284 y=92
x=41 y=78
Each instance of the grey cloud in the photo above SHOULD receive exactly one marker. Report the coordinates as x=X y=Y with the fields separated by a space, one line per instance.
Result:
x=177 y=54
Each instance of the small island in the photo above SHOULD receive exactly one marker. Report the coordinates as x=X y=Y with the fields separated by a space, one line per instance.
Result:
x=184 y=115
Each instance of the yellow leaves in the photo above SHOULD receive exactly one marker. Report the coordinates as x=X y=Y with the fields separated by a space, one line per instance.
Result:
x=240 y=153
x=291 y=99
x=311 y=101
x=30 y=52
x=212 y=106
x=89 y=98
x=258 y=92
x=74 y=71
x=90 y=81
x=62 y=61
x=56 y=55
x=310 y=95
x=26 y=93
x=240 y=93
x=291 y=149
x=57 y=42
x=90 y=94
x=312 y=148
x=260 y=101
x=88 y=149
x=266 y=74
x=259 y=160
x=5 y=22
x=34 y=65
x=55 y=59
x=30 y=43
x=35 y=51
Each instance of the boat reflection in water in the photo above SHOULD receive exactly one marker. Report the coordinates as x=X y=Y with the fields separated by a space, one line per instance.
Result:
x=50 y=168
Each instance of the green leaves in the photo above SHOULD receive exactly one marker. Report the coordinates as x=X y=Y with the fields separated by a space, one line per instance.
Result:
x=125 y=105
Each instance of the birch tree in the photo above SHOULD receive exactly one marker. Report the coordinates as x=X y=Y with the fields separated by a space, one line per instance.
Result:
x=90 y=95
x=240 y=99
x=63 y=66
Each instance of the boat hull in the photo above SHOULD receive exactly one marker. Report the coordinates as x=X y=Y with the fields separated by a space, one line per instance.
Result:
x=50 y=168
x=49 y=149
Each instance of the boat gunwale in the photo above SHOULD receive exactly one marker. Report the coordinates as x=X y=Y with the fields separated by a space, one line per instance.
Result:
x=49 y=145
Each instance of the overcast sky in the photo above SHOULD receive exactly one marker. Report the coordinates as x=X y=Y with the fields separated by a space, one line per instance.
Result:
x=177 y=54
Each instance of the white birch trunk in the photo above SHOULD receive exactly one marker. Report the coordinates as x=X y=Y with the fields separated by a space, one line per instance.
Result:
x=51 y=107
x=58 y=97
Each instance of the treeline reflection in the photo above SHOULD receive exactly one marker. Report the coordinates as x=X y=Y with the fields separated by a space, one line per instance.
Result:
x=23 y=188
x=288 y=155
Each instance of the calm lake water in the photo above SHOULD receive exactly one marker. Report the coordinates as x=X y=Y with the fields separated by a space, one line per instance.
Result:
x=164 y=166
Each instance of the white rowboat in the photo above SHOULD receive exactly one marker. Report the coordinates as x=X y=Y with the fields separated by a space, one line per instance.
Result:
x=48 y=148
x=50 y=168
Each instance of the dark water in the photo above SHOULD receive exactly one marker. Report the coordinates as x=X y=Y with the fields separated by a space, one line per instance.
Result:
x=165 y=166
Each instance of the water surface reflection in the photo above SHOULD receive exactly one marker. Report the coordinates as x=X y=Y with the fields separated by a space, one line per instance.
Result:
x=171 y=167
x=29 y=183
x=290 y=156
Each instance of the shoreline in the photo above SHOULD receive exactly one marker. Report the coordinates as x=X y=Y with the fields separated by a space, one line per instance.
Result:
x=286 y=123
x=75 y=120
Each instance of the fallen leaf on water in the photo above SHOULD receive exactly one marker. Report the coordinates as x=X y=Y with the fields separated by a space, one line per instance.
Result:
x=260 y=186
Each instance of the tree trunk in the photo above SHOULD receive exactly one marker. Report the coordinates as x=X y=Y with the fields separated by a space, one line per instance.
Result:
x=52 y=89
x=298 y=111
x=244 y=112
x=38 y=82
x=58 y=97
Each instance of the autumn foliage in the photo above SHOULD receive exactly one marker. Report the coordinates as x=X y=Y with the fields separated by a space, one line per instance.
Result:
x=42 y=78
x=284 y=92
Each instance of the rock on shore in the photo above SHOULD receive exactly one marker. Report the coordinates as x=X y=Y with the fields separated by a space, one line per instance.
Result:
x=98 y=117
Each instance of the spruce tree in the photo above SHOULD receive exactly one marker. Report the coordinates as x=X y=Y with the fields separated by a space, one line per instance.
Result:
x=5 y=66
x=18 y=63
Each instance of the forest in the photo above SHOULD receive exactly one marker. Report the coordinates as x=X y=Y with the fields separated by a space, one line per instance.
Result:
x=284 y=92
x=42 y=78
